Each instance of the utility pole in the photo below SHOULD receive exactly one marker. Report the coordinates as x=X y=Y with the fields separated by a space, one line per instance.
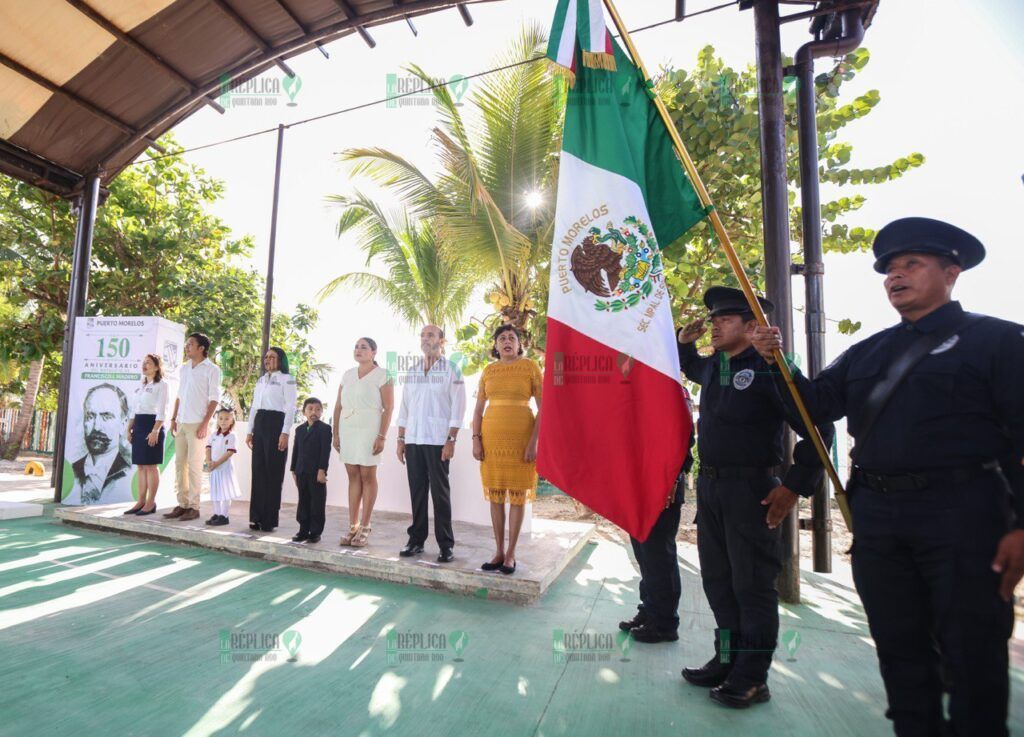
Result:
x=775 y=207
x=78 y=294
x=813 y=268
x=268 y=296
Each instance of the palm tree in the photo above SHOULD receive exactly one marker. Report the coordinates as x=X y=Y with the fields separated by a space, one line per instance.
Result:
x=488 y=208
x=422 y=287
x=25 y=412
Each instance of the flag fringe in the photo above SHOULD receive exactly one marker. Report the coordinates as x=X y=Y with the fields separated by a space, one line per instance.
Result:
x=562 y=71
x=599 y=60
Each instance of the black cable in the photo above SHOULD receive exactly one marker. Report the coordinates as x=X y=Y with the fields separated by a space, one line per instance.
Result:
x=405 y=94
x=688 y=15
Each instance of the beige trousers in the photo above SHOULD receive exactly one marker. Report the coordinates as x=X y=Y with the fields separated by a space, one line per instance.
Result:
x=189 y=455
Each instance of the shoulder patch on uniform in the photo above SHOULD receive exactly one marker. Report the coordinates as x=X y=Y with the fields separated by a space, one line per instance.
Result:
x=743 y=379
x=945 y=345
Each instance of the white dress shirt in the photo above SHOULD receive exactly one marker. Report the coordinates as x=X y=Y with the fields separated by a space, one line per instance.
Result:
x=151 y=399
x=200 y=385
x=432 y=402
x=276 y=392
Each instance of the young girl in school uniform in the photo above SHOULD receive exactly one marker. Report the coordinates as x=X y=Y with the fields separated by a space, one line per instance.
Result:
x=220 y=449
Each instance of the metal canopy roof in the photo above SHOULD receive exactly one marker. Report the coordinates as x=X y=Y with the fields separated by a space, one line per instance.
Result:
x=87 y=85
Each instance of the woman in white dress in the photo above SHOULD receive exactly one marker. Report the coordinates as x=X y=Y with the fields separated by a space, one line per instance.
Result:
x=366 y=399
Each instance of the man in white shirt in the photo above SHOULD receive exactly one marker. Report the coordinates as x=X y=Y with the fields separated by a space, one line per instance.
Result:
x=103 y=474
x=433 y=405
x=198 y=395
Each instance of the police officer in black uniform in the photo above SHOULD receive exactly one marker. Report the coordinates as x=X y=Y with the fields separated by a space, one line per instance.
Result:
x=936 y=407
x=740 y=501
x=657 y=616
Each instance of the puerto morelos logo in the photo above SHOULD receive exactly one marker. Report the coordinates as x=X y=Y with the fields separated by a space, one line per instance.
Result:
x=619 y=266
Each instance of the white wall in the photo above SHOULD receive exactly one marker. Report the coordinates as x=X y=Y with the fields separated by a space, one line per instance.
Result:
x=468 y=503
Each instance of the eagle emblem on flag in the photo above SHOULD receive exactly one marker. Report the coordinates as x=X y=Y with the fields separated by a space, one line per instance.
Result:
x=618 y=265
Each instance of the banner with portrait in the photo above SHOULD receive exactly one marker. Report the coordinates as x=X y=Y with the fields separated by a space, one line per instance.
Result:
x=106 y=371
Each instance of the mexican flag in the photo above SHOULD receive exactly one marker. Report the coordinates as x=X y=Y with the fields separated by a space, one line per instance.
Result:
x=615 y=427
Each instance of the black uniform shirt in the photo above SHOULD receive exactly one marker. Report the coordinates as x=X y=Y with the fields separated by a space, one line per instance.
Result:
x=961 y=405
x=742 y=417
x=312 y=450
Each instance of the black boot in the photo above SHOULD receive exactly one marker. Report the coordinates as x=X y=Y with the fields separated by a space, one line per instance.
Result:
x=740 y=697
x=627 y=624
x=714 y=672
x=649 y=632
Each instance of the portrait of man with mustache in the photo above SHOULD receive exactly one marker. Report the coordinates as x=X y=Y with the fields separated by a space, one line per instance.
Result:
x=104 y=472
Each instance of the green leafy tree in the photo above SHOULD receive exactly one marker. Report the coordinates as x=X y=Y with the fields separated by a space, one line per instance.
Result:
x=714 y=108
x=156 y=251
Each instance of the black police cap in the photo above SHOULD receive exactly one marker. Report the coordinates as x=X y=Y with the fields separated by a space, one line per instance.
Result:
x=730 y=301
x=924 y=235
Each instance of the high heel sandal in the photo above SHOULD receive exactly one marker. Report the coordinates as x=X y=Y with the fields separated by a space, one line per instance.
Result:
x=353 y=530
x=362 y=537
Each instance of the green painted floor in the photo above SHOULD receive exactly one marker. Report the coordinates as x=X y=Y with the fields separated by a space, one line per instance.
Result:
x=107 y=635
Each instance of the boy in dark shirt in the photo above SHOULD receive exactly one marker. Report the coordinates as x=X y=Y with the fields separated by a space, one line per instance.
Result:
x=310 y=456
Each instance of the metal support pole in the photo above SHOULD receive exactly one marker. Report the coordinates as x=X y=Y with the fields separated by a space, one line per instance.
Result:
x=813 y=271
x=814 y=267
x=268 y=298
x=775 y=206
x=78 y=293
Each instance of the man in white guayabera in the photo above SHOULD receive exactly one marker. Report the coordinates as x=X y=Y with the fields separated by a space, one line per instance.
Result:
x=198 y=395
x=433 y=405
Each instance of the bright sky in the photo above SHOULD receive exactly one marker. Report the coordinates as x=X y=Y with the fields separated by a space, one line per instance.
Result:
x=950 y=80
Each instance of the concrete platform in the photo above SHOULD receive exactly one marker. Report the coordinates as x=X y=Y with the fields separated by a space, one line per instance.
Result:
x=543 y=553
x=17 y=510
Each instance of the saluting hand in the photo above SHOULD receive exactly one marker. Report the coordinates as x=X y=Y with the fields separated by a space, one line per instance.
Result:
x=692 y=331
x=1009 y=561
x=766 y=340
x=780 y=501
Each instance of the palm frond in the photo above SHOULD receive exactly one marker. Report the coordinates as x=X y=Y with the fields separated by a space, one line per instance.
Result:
x=396 y=174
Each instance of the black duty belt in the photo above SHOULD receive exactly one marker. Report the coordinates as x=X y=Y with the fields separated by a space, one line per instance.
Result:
x=920 y=480
x=728 y=473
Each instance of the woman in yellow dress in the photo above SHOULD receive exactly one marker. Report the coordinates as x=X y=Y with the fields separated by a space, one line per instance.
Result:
x=505 y=440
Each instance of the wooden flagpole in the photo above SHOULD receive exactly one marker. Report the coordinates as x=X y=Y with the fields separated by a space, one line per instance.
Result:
x=737 y=267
